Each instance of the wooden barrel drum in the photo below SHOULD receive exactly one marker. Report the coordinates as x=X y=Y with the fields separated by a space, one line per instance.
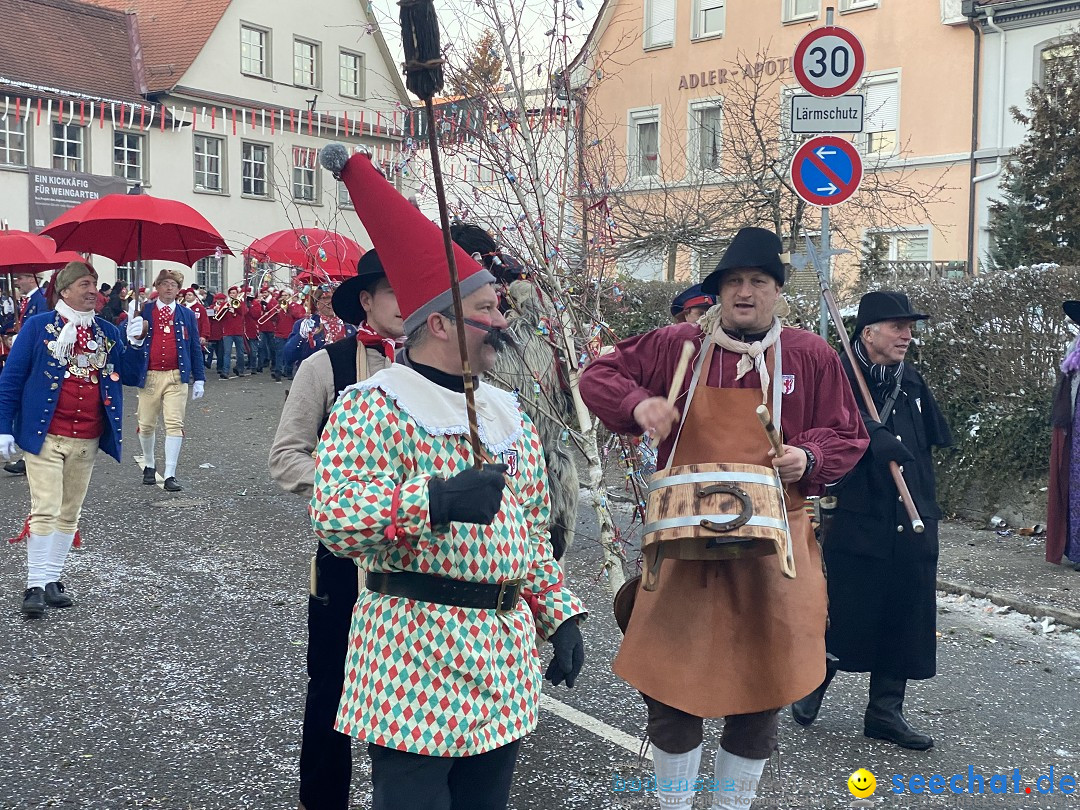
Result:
x=714 y=512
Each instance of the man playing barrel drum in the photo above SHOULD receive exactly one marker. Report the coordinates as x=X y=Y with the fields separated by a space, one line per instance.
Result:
x=730 y=638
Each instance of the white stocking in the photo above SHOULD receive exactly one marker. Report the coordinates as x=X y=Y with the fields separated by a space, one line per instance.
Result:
x=147 y=441
x=59 y=546
x=675 y=777
x=37 y=560
x=736 y=780
x=172 y=454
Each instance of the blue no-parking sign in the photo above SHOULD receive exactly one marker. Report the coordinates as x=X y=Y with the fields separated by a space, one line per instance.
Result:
x=826 y=170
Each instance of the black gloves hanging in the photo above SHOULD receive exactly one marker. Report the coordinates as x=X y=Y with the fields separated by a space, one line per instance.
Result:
x=569 y=648
x=471 y=496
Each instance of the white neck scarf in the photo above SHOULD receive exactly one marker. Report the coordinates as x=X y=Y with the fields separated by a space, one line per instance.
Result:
x=753 y=354
x=69 y=334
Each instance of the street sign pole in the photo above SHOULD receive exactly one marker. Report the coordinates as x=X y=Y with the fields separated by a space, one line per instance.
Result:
x=823 y=311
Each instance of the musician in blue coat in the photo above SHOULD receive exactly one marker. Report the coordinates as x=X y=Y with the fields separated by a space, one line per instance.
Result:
x=171 y=361
x=318 y=331
x=61 y=398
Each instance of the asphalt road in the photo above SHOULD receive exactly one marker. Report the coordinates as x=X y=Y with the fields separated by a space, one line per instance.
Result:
x=177 y=680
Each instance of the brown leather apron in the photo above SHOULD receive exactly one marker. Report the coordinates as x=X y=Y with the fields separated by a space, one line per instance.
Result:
x=723 y=637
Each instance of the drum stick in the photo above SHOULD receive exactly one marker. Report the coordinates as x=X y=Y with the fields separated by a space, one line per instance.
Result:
x=678 y=377
x=770 y=430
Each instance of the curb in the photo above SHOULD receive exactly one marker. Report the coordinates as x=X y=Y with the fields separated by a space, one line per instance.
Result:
x=1065 y=617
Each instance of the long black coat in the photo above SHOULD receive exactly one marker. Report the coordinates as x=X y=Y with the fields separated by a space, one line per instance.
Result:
x=882 y=575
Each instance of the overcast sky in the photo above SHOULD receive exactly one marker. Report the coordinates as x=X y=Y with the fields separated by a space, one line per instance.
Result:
x=463 y=22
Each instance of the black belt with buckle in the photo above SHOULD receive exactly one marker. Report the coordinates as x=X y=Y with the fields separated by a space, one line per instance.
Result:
x=502 y=597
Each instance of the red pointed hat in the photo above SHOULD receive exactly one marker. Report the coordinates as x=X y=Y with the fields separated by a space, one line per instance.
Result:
x=408 y=243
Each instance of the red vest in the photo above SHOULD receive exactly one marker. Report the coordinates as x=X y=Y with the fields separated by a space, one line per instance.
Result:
x=163 y=353
x=79 y=412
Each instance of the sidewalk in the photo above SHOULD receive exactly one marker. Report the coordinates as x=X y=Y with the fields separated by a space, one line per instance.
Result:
x=1008 y=570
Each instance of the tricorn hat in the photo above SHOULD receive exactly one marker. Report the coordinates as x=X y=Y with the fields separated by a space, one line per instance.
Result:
x=409 y=245
x=751 y=247
x=885 y=305
x=346 y=301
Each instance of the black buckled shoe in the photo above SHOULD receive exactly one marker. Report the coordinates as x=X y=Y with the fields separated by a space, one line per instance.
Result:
x=149 y=475
x=16 y=467
x=172 y=485
x=33 y=604
x=57 y=596
x=884 y=718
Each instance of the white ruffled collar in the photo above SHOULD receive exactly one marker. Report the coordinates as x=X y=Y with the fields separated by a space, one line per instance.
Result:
x=441 y=412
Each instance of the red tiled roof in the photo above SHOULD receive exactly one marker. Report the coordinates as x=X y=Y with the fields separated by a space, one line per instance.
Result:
x=67 y=45
x=172 y=32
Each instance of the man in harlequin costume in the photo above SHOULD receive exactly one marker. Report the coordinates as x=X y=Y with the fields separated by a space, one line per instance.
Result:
x=61 y=398
x=322 y=328
x=368 y=301
x=442 y=677
x=171 y=361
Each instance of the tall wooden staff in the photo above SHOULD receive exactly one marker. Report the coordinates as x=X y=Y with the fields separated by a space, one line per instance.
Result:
x=864 y=390
x=424 y=77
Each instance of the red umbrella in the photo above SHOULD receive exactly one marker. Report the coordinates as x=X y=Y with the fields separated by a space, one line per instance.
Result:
x=132 y=227
x=23 y=252
x=324 y=255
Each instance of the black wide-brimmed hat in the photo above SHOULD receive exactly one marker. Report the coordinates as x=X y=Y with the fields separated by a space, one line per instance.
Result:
x=1072 y=311
x=751 y=247
x=691 y=297
x=346 y=300
x=885 y=305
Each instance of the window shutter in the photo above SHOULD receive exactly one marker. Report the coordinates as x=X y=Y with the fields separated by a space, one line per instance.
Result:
x=882 y=105
x=659 y=22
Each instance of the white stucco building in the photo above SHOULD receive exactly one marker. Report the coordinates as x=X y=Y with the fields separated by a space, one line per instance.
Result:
x=221 y=104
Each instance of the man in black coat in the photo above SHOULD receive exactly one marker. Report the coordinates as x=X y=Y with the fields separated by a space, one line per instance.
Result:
x=881 y=574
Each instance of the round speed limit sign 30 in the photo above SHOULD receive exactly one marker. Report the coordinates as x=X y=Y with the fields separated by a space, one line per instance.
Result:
x=829 y=61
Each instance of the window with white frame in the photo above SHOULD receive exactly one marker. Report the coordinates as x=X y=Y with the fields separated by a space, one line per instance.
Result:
x=880 y=134
x=132 y=273
x=644 y=143
x=69 y=147
x=706 y=136
x=305 y=178
x=343 y=198
x=709 y=18
x=128 y=156
x=647 y=265
x=856 y=5
x=351 y=74
x=208 y=153
x=12 y=141
x=208 y=273
x=255 y=51
x=255 y=169
x=1055 y=60
x=909 y=245
x=659 y=23
x=305 y=63
x=801 y=10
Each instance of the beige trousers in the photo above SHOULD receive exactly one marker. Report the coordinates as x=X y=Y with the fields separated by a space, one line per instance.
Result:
x=163 y=394
x=59 y=476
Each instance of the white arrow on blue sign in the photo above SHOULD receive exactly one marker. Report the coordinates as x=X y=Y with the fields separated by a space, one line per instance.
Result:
x=826 y=170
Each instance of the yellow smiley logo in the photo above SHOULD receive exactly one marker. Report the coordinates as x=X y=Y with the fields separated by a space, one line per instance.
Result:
x=862 y=783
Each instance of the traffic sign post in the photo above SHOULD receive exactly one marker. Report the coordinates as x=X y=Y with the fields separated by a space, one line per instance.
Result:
x=826 y=170
x=829 y=61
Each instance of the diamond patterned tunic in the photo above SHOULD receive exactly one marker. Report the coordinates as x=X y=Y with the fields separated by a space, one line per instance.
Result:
x=421 y=677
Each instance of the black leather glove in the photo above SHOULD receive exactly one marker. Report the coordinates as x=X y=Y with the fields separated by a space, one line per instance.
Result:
x=569 y=656
x=885 y=447
x=472 y=496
